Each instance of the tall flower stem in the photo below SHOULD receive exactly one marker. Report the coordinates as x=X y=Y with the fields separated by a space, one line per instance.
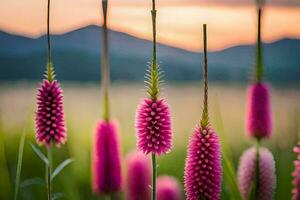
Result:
x=48 y=174
x=256 y=185
x=154 y=95
x=50 y=75
x=204 y=120
x=105 y=63
x=153 y=176
x=48 y=32
x=259 y=53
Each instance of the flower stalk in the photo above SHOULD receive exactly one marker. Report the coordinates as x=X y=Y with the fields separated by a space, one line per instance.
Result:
x=259 y=51
x=49 y=173
x=205 y=120
x=154 y=92
x=105 y=63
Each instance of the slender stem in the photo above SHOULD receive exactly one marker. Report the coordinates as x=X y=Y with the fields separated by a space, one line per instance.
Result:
x=48 y=32
x=257 y=170
x=105 y=63
x=50 y=75
x=259 y=53
x=153 y=177
x=154 y=71
x=204 y=120
x=48 y=174
x=153 y=13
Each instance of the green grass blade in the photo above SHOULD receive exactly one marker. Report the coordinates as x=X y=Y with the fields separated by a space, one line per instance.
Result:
x=19 y=164
x=5 y=182
x=39 y=153
x=228 y=168
x=61 y=167
x=57 y=195
x=33 y=181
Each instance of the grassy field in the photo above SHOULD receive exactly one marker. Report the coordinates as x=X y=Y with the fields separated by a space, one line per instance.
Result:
x=83 y=110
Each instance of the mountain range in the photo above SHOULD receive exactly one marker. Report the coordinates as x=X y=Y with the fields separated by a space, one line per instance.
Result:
x=76 y=58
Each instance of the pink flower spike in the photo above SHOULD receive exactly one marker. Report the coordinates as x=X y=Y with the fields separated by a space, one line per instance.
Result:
x=267 y=176
x=203 y=171
x=296 y=174
x=259 y=117
x=106 y=163
x=138 y=177
x=168 y=188
x=50 y=123
x=153 y=124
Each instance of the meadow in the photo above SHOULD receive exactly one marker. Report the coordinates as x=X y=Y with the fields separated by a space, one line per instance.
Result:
x=83 y=110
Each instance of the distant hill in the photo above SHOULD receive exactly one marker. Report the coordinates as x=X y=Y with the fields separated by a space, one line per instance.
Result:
x=76 y=58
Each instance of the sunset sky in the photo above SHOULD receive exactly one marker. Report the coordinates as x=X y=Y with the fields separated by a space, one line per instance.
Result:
x=230 y=22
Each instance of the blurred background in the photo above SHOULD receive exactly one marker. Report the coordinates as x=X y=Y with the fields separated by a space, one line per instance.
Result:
x=76 y=28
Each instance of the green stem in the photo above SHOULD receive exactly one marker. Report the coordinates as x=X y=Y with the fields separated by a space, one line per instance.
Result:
x=154 y=176
x=48 y=174
x=204 y=120
x=257 y=170
x=259 y=53
x=153 y=13
x=50 y=75
x=153 y=89
x=105 y=63
x=48 y=32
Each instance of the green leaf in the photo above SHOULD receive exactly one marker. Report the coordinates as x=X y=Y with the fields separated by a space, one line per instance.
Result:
x=19 y=165
x=230 y=176
x=40 y=154
x=228 y=168
x=33 y=181
x=56 y=195
x=61 y=167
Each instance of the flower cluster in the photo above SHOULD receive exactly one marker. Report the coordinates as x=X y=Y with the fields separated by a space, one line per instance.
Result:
x=50 y=123
x=266 y=174
x=154 y=127
x=203 y=173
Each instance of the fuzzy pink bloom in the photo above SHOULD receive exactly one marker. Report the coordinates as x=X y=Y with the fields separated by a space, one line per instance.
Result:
x=50 y=123
x=259 y=117
x=138 y=177
x=153 y=126
x=267 y=176
x=106 y=164
x=296 y=174
x=203 y=171
x=168 y=188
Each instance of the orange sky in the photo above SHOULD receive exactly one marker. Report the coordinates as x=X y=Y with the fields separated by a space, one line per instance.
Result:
x=179 y=23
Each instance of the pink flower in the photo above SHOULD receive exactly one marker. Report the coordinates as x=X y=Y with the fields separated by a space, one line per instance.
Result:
x=153 y=126
x=138 y=177
x=106 y=175
x=168 y=188
x=259 y=117
x=203 y=171
x=296 y=174
x=247 y=170
x=50 y=123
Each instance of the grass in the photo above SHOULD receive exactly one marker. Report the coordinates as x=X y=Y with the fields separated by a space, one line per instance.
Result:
x=83 y=110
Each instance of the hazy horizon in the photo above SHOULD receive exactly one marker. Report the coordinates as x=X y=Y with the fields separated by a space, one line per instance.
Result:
x=230 y=22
